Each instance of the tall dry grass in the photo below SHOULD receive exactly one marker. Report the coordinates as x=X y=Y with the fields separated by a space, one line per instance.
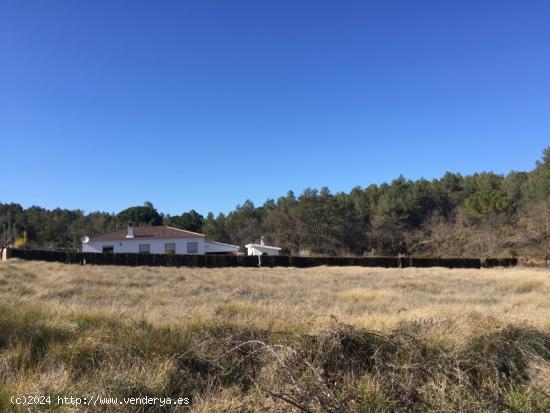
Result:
x=280 y=339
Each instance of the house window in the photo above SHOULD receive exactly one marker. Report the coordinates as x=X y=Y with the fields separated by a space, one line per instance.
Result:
x=108 y=248
x=144 y=248
x=170 y=248
x=192 y=247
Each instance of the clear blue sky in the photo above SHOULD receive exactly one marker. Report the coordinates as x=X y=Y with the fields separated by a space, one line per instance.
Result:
x=203 y=104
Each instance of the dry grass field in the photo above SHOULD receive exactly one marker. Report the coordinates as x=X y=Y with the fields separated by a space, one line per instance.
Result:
x=277 y=339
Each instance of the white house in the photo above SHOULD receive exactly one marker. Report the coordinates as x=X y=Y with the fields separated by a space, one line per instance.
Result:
x=262 y=249
x=155 y=240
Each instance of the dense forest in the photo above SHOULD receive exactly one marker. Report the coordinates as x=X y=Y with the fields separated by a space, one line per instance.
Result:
x=476 y=215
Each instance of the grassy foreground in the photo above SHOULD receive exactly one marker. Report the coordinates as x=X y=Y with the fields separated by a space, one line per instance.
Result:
x=281 y=339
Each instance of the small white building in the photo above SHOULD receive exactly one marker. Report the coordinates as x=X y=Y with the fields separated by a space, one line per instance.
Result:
x=155 y=240
x=262 y=249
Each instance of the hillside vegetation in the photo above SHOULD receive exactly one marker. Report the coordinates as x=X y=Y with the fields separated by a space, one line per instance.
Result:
x=483 y=214
x=245 y=339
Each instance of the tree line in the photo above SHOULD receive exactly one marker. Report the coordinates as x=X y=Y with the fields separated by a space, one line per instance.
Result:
x=473 y=215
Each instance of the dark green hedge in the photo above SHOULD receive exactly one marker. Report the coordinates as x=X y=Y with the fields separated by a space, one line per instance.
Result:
x=216 y=261
x=422 y=261
x=40 y=255
x=460 y=262
x=500 y=262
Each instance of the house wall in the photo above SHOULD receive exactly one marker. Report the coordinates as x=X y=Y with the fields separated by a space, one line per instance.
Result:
x=156 y=246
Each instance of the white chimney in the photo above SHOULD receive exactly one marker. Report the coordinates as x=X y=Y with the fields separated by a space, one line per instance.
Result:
x=130 y=231
x=262 y=240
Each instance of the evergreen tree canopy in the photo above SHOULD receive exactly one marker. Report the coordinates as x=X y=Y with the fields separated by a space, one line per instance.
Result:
x=140 y=215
